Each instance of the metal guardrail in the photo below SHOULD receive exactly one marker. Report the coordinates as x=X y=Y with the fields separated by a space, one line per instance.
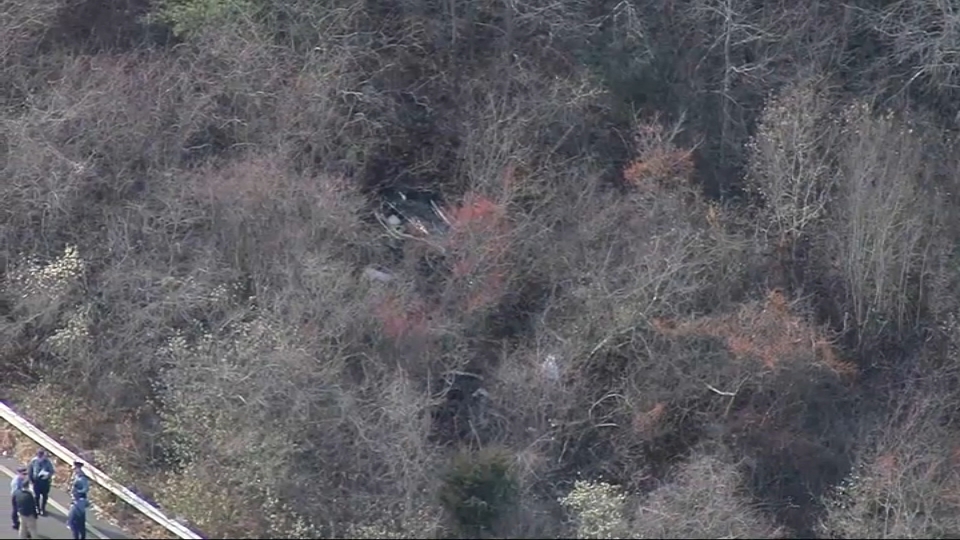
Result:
x=95 y=474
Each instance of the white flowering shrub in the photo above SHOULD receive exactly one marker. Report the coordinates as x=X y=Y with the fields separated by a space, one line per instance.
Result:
x=198 y=421
x=38 y=285
x=285 y=521
x=201 y=295
x=223 y=399
x=175 y=347
x=377 y=530
x=73 y=336
x=598 y=509
x=422 y=523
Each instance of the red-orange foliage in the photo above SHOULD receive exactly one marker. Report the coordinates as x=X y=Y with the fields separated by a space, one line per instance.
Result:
x=479 y=244
x=476 y=213
x=768 y=331
x=658 y=161
x=886 y=467
x=399 y=321
x=645 y=424
x=659 y=166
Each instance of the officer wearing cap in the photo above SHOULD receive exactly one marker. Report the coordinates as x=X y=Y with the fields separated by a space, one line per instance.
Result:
x=41 y=476
x=80 y=484
x=27 y=508
x=19 y=482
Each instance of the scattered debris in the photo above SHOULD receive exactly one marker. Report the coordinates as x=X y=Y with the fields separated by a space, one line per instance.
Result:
x=412 y=213
x=550 y=368
x=377 y=275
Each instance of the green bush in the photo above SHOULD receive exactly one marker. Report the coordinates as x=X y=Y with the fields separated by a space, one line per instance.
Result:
x=189 y=17
x=477 y=489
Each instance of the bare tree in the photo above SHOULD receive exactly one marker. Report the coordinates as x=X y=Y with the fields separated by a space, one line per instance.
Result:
x=790 y=165
x=925 y=36
x=884 y=219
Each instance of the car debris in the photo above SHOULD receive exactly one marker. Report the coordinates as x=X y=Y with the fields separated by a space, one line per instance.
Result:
x=411 y=214
x=377 y=275
x=550 y=368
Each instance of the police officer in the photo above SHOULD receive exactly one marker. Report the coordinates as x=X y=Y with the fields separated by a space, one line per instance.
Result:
x=27 y=508
x=77 y=519
x=41 y=476
x=79 y=484
x=19 y=482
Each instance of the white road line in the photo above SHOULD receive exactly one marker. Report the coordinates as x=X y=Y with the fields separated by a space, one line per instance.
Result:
x=57 y=506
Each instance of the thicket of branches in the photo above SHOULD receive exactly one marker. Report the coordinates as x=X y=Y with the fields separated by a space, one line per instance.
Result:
x=698 y=277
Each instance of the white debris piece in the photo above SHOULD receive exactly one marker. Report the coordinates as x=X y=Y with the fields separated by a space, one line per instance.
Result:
x=393 y=220
x=377 y=275
x=550 y=368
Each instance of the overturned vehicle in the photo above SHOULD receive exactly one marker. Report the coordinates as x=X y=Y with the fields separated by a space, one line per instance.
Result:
x=409 y=213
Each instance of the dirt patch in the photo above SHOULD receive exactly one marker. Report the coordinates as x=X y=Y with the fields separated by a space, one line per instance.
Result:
x=7 y=440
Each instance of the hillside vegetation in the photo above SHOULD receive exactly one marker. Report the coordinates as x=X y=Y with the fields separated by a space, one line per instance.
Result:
x=696 y=274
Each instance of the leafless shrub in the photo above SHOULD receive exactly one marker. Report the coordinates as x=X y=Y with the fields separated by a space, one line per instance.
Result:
x=21 y=22
x=103 y=131
x=514 y=124
x=528 y=408
x=659 y=161
x=230 y=430
x=141 y=301
x=616 y=261
x=863 y=181
x=759 y=384
x=43 y=188
x=768 y=331
x=302 y=243
x=883 y=219
x=259 y=202
x=325 y=117
x=925 y=35
x=735 y=53
x=790 y=167
x=623 y=257
x=904 y=484
x=286 y=394
x=705 y=500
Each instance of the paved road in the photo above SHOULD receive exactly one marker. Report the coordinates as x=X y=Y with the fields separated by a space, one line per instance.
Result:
x=54 y=525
